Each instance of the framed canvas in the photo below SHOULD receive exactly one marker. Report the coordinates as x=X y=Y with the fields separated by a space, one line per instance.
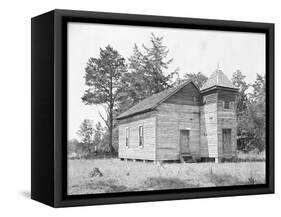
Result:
x=134 y=108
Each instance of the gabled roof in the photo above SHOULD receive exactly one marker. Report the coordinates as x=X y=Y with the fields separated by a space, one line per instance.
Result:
x=217 y=78
x=153 y=101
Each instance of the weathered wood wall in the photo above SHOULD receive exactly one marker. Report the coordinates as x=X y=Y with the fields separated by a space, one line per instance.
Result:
x=227 y=95
x=137 y=117
x=208 y=126
x=134 y=151
x=227 y=120
x=213 y=119
x=188 y=95
x=171 y=119
x=179 y=112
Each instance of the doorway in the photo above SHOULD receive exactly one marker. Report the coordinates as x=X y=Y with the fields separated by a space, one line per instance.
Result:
x=226 y=140
x=184 y=141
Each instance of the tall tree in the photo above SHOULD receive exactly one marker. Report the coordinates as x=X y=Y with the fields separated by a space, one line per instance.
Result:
x=86 y=132
x=103 y=77
x=238 y=80
x=148 y=71
x=243 y=133
x=198 y=78
x=250 y=112
x=257 y=113
x=156 y=64
x=258 y=95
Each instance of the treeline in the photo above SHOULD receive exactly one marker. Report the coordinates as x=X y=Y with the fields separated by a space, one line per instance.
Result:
x=250 y=112
x=118 y=84
x=94 y=141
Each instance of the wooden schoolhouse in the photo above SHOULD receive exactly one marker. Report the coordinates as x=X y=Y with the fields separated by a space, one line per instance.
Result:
x=182 y=123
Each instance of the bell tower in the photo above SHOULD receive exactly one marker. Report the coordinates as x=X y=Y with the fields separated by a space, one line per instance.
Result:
x=218 y=124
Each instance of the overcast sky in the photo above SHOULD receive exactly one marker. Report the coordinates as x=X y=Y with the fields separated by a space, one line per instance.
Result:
x=192 y=51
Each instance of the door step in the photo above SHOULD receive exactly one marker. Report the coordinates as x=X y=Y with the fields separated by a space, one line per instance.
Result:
x=186 y=158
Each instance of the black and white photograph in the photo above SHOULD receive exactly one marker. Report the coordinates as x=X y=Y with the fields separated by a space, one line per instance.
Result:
x=154 y=108
x=143 y=108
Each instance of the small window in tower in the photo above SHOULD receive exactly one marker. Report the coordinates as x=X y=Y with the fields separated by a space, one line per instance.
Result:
x=226 y=105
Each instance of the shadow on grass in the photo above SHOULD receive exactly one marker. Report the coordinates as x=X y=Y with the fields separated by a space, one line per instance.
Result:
x=223 y=179
x=109 y=186
x=102 y=186
x=159 y=183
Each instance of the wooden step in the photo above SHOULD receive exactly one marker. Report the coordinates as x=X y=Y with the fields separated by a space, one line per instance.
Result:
x=186 y=158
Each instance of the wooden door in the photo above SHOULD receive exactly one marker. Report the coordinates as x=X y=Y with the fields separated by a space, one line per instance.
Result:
x=226 y=140
x=184 y=141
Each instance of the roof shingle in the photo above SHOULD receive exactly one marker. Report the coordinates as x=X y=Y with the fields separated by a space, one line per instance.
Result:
x=217 y=78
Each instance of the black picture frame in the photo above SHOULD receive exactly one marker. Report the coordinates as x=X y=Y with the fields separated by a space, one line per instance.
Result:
x=49 y=107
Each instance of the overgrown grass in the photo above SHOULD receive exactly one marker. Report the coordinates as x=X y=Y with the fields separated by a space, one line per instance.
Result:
x=250 y=156
x=120 y=176
x=224 y=179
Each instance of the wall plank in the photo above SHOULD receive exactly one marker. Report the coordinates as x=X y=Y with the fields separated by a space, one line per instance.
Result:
x=171 y=119
x=188 y=95
x=134 y=151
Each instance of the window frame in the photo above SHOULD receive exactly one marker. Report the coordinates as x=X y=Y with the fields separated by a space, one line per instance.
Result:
x=127 y=137
x=226 y=102
x=141 y=136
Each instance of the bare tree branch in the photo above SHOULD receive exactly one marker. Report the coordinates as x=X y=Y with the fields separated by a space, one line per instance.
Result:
x=104 y=119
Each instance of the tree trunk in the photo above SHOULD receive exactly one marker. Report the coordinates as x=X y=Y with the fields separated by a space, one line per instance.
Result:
x=110 y=129
x=111 y=116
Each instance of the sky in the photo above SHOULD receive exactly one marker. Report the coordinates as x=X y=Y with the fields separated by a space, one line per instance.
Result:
x=191 y=50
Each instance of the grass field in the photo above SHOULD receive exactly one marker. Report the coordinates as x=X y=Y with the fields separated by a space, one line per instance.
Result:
x=120 y=176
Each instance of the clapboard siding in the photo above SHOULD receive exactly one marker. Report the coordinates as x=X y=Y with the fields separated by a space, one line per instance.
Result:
x=208 y=130
x=134 y=151
x=213 y=119
x=188 y=95
x=137 y=117
x=227 y=120
x=226 y=95
x=171 y=119
x=209 y=97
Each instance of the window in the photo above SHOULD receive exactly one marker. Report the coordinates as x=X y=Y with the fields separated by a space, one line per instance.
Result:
x=204 y=100
x=141 y=141
x=127 y=134
x=226 y=105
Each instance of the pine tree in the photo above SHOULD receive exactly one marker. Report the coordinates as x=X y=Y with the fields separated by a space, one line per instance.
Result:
x=104 y=79
x=258 y=113
x=242 y=111
x=238 y=80
x=148 y=73
x=156 y=64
